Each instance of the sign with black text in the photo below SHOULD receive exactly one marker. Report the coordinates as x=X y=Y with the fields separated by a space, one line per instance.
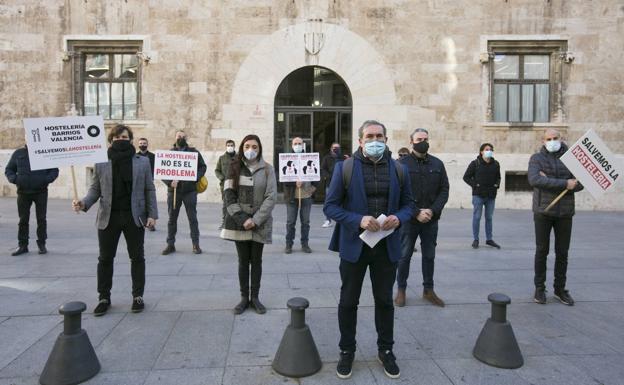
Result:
x=65 y=141
x=593 y=164
x=302 y=167
x=175 y=165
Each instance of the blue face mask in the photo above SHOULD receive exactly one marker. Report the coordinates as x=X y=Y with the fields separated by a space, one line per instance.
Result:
x=553 y=145
x=488 y=153
x=374 y=149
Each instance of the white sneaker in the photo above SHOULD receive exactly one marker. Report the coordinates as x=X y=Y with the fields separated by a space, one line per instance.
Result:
x=327 y=223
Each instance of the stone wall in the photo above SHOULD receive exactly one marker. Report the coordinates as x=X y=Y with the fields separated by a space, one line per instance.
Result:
x=215 y=66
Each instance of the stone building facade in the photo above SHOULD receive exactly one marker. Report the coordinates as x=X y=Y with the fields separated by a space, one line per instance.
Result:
x=498 y=71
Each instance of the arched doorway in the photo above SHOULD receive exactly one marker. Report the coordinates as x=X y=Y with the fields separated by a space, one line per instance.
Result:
x=313 y=103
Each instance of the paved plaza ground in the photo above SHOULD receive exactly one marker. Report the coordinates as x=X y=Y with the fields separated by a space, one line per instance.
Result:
x=188 y=334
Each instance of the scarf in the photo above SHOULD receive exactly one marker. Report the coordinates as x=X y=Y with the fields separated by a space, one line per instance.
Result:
x=120 y=153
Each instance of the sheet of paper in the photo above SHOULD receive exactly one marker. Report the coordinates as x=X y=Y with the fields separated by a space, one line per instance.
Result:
x=372 y=238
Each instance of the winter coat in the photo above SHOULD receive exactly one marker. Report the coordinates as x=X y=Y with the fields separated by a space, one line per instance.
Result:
x=484 y=177
x=255 y=199
x=223 y=167
x=547 y=187
x=19 y=173
x=348 y=206
x=430 y=185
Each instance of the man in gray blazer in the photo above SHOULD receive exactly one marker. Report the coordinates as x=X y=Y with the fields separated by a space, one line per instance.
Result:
x=127 y=197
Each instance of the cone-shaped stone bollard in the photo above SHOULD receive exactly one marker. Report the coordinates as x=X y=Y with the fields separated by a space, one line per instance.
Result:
x=497 y=345
x=297 y=355
x=73 y=359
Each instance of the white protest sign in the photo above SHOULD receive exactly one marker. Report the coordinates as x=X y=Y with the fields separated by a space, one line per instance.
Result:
x=309 y=166
x=593 y=164
x=288 y=167
x=65 y=141
x=175 y=165
x=295 y=167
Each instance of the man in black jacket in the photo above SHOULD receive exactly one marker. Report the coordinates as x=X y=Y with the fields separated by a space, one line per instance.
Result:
x=483 y=175
x=143 y=151
x=186 y=193
x=32 y=186
x=430 y=188
x=327 y=170
x=549 y=177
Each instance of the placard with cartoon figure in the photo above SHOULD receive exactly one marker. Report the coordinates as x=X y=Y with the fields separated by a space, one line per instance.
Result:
x=288 y=167
x=309 y=167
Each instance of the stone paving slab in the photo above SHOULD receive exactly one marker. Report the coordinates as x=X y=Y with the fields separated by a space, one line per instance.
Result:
x=188 y=335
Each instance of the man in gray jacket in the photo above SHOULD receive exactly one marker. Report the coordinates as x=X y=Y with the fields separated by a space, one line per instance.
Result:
x=549 y=177
x=127 y=197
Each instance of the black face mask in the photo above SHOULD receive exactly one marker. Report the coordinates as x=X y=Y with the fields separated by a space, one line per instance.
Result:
x=121 y=145
x=143 y=148
x=181 y=142
x=421 y=147
x=336 y=151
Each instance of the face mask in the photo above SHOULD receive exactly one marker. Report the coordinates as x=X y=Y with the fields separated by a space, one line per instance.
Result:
x=143 y=148
x=297 y=148
x=229 y=149
x=121 y=145
x=421 y=147
x=488 y=154
x=553 y=145
x=181 y=142
x=374 y=149
x=250 y=154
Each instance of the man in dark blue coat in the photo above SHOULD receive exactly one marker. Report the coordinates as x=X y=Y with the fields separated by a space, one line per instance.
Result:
x=370 y=185
x=32 y=187
x=430 y=188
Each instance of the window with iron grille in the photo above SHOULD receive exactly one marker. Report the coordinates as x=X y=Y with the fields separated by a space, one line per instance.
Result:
x=525 y=80
x=107 y=78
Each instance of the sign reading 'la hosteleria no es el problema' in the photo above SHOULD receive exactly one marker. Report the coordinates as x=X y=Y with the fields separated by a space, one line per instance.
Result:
x=65 y=141
x=175 y=165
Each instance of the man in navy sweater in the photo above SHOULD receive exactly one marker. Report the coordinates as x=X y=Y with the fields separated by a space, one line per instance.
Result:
x=373 y=187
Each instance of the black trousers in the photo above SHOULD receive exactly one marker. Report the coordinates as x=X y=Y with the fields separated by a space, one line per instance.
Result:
x=382 y=276
x=121 y=222
x=249 y=254
x=563 y=231
x=189 y=199
x=24 y=201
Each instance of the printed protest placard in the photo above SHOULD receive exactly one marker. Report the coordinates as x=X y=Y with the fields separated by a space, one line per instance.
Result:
x=288 y=167
x=299 y=167
x=310 y=167
x=65 y=141
x=175 y=165
x=593 y=164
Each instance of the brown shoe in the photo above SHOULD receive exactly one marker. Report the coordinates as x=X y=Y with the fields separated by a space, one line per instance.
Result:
x=399 y=300
x=197 y=249
x=168 y=250
x=431 y=296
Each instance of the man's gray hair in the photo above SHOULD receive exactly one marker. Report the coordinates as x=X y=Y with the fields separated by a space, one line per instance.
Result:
x=369 y=123
x=418 y=130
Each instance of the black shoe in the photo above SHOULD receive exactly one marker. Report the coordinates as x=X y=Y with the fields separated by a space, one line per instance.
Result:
x=20 y=250
x=540 y=296
x=564 y=297
x=102 y=307
x=306 y=248
x=168 y=250
x=344 y=369
x=475 y=244
x=153 y=228
x=388 y=360
x=197 y=249
x=137 y=304
x=242 y=305
x=42 y=248
x=257 y=305
x=288 y=249
x=492 y=243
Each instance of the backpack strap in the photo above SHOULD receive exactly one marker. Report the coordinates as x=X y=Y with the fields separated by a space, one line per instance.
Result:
x=347 y=172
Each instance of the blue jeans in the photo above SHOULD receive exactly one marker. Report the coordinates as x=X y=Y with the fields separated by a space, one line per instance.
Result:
x=477 y=204
x=292 y=208
x=410 y=231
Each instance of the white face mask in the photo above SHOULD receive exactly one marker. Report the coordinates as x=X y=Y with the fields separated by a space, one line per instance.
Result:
x=553 y=145
x=297 y=148
x=230 y=149
x=488 y=153
x=250 y=154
